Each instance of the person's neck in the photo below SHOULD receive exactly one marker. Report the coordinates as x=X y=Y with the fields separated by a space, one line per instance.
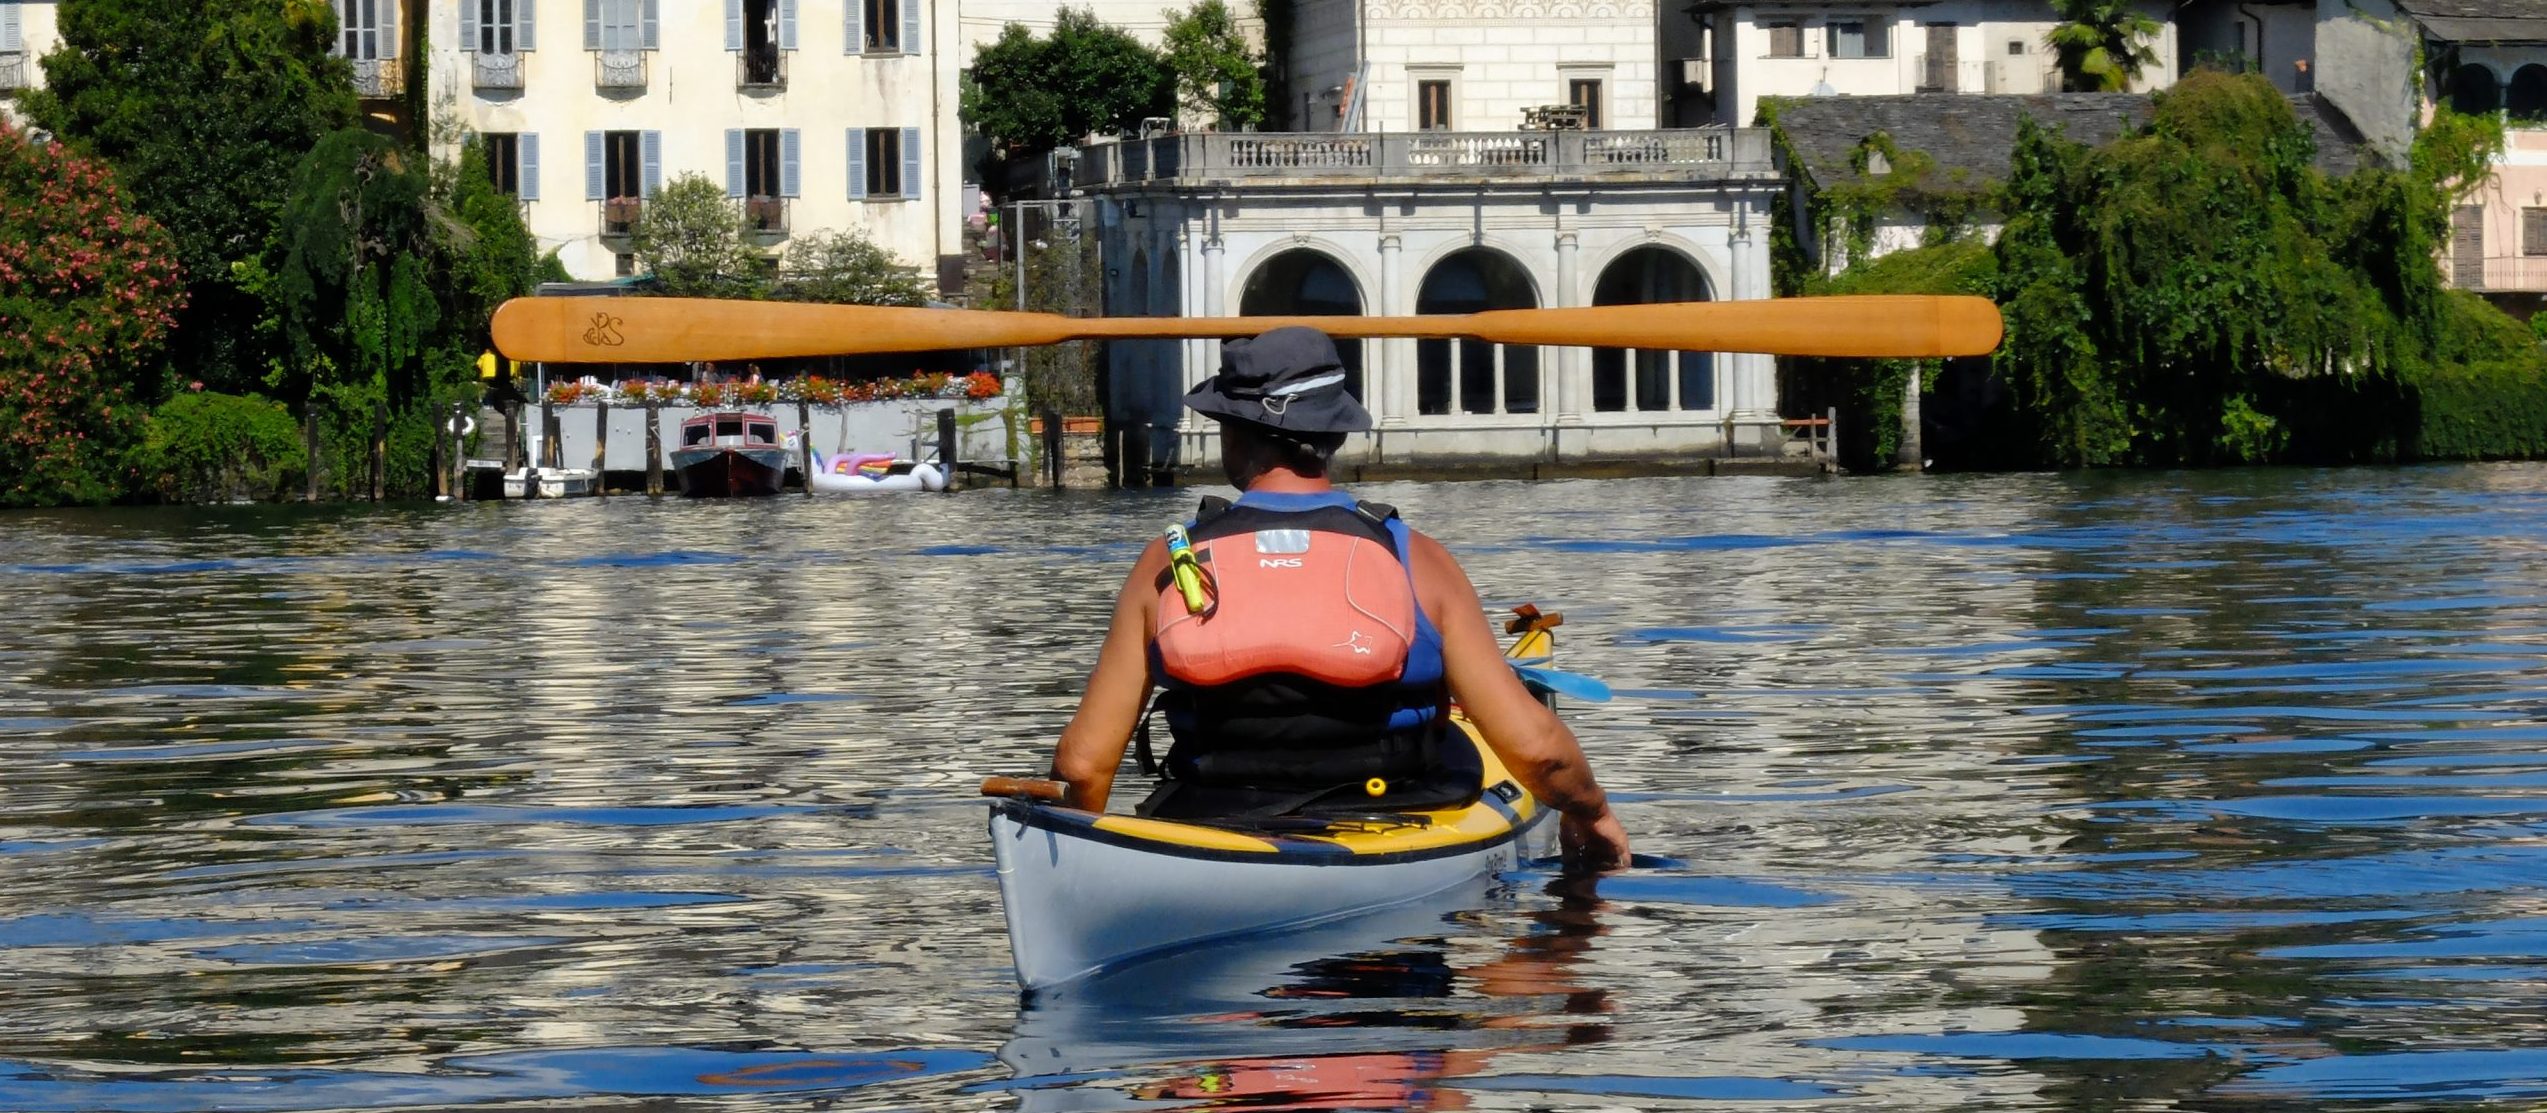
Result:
x=1284 y=481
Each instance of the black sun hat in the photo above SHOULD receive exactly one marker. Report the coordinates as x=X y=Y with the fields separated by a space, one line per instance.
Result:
x=1289 y=379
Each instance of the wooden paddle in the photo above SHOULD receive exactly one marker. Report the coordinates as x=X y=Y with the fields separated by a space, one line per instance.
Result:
x=679 y=330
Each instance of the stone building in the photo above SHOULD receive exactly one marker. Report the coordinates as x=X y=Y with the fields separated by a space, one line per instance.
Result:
x=1403 y=223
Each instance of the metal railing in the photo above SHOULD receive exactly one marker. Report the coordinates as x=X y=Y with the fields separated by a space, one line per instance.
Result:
x=1674 y=152
x=619 y=215
x=765 y=217
x=495 y=71
x=766 y=69
x=379 y=77
x=13 y=70
x=619 y=69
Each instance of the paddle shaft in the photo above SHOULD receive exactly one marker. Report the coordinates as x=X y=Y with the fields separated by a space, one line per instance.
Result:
x=682 y=330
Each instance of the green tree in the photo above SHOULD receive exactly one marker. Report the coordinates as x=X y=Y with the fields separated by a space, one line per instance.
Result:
x=356 y=286
x=1219 y=78
x=204 y=108
x=692 y=239
x=2101 y=45
x=1030 y=95
x=848 y=268
x=88 y=290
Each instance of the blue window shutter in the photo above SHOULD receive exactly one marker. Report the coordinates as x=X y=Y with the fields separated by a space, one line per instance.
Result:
x=910 y=26
x=650 y=149
x=527 y=144
x=11 y=33
x=786 y=24
x=592 y=24
x=468 y=27
x=734 y=162
x=596 y=184
x=791 y=148
x=857 y=164
x=523 y=38
x=910 y=162
x=733 y=24
x=855 y=31
x=647 y=34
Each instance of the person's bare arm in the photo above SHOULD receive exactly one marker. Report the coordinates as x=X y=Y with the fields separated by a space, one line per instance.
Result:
x=1533 y=743
x=1092 y=745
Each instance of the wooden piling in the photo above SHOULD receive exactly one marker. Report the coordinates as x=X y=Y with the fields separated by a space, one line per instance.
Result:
x=309 y=442
x=654 y=447
x=601 y=446
x=379 y=447
x=805 y=444
x=1048 y=441
x=946 y=454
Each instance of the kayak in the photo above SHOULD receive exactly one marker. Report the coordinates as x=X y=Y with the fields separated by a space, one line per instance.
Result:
x=1085 y=891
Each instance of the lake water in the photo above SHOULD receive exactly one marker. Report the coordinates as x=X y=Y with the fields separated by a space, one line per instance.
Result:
x=2018 y=792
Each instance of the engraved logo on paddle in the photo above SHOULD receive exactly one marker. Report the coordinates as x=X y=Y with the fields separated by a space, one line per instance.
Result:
x=604 y=332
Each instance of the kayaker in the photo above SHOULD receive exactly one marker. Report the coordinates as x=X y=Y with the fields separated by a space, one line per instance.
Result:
x=1349 y=712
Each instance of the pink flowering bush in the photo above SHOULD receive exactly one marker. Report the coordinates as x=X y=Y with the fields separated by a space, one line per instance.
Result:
x=88 y=291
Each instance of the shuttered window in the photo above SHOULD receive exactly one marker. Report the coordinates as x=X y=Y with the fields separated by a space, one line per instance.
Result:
x=1786 y=40
x=2533 y=231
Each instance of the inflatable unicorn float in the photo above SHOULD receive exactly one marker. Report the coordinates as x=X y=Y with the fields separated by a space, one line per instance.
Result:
x=862 y=472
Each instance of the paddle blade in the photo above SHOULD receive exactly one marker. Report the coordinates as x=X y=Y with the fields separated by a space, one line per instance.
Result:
x=1571 y=685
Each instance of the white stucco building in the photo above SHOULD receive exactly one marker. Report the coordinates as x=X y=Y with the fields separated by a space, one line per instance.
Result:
x=28 y=29
x=814 y=114
x=1725 y=55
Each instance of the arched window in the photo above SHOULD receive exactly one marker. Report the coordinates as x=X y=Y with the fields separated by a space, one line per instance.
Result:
x=1482 y=378
x=2527 y=97
x=1305 y=283
x=1643 y=379
x=2474 y=91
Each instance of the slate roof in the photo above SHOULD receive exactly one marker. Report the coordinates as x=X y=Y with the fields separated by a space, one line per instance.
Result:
x=1971 y=136
x=2480 y=21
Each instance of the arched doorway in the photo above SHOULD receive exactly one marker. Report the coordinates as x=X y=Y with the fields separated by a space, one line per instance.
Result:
x=1475 y=376
x=1651 y=380
x=1304 y=282
x=2473 y=89
x=2527 y=97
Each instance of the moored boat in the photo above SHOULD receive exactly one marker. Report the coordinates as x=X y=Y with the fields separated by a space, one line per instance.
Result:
x=730 y=453
x=1085 y=891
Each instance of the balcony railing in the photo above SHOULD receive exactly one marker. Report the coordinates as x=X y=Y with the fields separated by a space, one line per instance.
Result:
x=763 y=69
x=765 y=217
x=619 y=215
x=1670 y=153
x=496 y=71
x=379 y=77
x=619 y=69
x=13 y=70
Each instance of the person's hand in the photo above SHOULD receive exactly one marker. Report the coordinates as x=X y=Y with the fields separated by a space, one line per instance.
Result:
x=1596 y=845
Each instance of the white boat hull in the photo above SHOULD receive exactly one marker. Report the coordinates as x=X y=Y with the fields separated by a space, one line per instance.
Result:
x=554 y=483
x=1077 y=903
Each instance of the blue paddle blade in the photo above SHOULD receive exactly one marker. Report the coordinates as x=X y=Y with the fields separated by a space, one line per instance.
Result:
x=1571 y=685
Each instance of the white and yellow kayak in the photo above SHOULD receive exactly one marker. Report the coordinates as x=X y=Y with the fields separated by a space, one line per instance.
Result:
x=1084 y=891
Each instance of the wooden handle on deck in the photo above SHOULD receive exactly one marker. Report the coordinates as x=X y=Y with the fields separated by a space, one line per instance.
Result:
x=680 y=330
x=1030 y=788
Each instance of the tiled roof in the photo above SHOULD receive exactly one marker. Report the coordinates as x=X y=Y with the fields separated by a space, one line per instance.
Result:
x=2517 y=21
x=1971 y=136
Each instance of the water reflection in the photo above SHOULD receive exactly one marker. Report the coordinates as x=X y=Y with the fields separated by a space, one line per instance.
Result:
x=1255 y=1024
x=2014 y=792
